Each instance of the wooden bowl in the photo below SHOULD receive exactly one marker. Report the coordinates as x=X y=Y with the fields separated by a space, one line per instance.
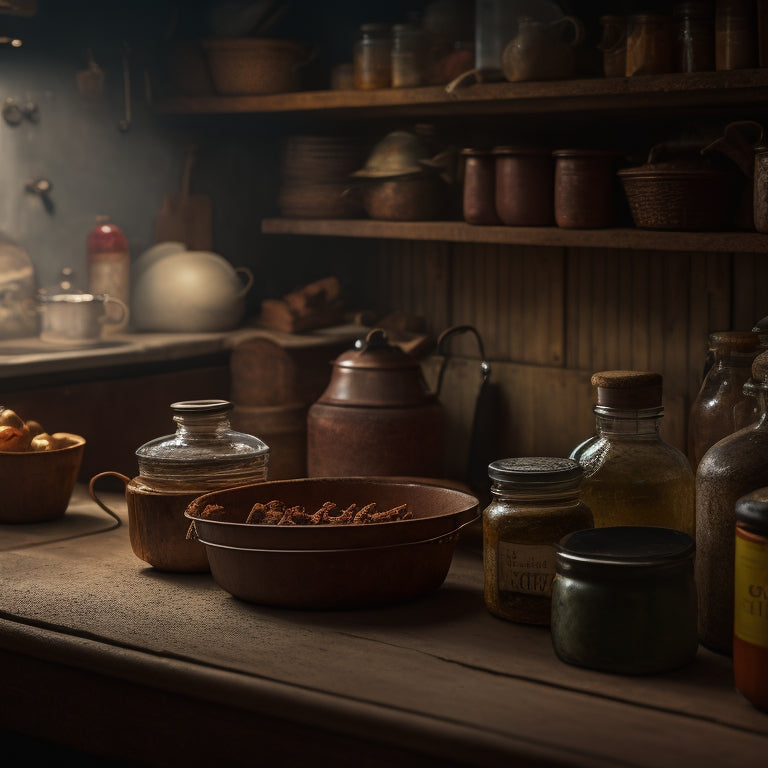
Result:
x=36 y=486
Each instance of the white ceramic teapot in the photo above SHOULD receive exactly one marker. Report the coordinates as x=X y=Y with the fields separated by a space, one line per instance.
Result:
x=189 y=292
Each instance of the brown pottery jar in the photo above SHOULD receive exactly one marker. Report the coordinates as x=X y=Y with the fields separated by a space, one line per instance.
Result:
x=525 y=181
x=479 y=192
x=585 y=188
x=649 y=44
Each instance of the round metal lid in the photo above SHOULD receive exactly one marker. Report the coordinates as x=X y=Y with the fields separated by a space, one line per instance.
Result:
x=535 y=469
x=626 y=548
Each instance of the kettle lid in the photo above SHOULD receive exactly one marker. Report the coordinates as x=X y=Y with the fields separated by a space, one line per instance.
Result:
x=376 y=373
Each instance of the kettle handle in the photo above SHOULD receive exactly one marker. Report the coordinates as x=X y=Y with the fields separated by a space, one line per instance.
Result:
x=442 y=342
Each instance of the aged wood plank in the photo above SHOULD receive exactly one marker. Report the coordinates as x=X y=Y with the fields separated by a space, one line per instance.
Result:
x=458 y=231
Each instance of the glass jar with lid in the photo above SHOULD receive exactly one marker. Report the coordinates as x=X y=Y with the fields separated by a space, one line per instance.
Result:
x=721 y=400
x=632 y=476
x=534 y=503
x=409 y=56
x=203 y=454
x=372 y=60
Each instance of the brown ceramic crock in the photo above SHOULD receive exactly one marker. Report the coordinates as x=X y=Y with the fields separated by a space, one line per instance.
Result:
x=479 y=191
x=376 y=417
x=524 y=186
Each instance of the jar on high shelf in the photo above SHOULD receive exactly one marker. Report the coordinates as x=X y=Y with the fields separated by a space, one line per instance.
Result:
x=721 y=401
x=732 y=467
x=613 y=44
x=372 y=57
x=525 y=180
x=631 y=475
x=409 y=56
x=534 y=503
x=585 y=188
x=479 y=187
x=735 y=34
x=203 y=454
x=750 y=630
x=694 y=36
x=649 y=44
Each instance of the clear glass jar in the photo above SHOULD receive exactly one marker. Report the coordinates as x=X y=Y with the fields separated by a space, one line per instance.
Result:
x=409 y=56
x=631 y=475
x=534 y=503
x=372 y=60
x=750 y=630
x=204 y=453
x=695 y=36
x=732 y=467
x=721 y=403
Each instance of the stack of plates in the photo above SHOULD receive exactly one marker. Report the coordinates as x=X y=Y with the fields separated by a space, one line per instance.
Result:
x=315 y=177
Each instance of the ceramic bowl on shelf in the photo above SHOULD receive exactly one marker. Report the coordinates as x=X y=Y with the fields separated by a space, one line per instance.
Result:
x=328 y=565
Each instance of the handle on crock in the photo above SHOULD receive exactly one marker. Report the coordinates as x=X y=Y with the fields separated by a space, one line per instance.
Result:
x=94 y=496
x=120 y=320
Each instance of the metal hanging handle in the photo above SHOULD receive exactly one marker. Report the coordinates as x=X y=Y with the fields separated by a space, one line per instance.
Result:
x=442 y=343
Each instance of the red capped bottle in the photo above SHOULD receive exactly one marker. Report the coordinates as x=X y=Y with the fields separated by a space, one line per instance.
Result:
x=109 y=260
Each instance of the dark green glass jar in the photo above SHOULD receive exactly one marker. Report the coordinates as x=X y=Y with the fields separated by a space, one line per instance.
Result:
x=624 y=600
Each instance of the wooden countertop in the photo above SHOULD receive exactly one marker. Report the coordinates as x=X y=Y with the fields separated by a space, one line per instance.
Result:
x=105 y=654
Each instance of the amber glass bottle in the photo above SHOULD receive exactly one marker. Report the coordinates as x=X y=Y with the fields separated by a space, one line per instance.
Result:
x=631 y=475
x=721 y=400
x=732 y=467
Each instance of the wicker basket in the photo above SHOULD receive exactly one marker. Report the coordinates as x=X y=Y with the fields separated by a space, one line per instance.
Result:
x=679 y=189
x=246 y=66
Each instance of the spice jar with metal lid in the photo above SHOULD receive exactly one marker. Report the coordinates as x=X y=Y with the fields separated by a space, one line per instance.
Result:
x=750 y=630
x=534 y=503
x=632 y=476
x=624 y=600
x=372 y=57
x=732 y=467
x=203 y=454
x=721 y=397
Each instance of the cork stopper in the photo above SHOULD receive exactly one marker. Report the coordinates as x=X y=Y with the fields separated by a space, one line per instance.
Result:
x=628 y=390
x=736 y=341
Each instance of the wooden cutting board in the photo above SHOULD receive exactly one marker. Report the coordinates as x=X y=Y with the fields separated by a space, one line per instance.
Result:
x=185 y=217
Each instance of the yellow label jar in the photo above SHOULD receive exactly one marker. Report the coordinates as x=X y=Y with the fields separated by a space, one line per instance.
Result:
x=534 y=503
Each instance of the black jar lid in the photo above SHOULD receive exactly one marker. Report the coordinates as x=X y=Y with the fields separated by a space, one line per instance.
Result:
x=528 y=470
x=625 y=550
x=752 y=511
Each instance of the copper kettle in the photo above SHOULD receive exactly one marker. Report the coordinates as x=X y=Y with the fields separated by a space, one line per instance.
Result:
x=376 y=417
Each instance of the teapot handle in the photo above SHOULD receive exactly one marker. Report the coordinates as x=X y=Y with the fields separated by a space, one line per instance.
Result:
x=248 y=276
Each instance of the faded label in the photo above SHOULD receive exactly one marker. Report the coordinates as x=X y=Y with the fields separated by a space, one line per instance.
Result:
x=526 y=568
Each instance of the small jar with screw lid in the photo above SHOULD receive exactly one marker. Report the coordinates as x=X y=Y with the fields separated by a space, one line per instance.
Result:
x=534 y=503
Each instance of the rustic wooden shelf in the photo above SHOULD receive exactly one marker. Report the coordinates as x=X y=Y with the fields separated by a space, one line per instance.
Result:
x=744 y=88
x=460 y=232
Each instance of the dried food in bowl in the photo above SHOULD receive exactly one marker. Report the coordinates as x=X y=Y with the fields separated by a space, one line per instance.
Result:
x=36 y=486
x=437 y=511
x=333 y=578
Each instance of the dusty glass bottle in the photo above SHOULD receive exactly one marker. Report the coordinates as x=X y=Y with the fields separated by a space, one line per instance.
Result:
x=732 y=467
x=631 y=475
x=717 y=409
x=534 y=503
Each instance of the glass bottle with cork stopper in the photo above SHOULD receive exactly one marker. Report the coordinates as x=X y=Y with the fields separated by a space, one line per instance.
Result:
x=632 y=476
x=534 y=503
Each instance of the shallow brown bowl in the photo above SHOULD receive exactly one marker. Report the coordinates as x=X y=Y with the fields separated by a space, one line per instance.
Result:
x=36 y=486
x=333 y=566
x=437 y=511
